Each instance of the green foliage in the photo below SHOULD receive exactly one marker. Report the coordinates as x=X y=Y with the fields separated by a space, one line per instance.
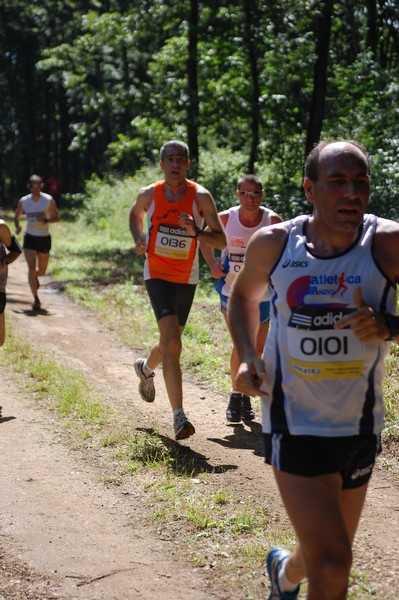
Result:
x=91 y=87
x=219 y=170
x=367 y=91
x=107 y=205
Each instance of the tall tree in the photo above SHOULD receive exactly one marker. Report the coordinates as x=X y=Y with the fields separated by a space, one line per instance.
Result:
x=193 y=109
x=250 y=19
x=316 y=110
x=372 y=27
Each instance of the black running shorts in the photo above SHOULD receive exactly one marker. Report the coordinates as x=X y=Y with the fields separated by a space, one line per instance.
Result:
x=37 y=242
x=168 y=298
x=3 y=301
x=309 y=456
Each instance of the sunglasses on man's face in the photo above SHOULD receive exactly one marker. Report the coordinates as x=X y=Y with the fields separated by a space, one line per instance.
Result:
x=35 y=184
x=253 y=193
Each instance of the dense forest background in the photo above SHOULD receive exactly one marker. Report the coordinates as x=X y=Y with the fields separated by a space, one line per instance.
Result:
x=92 y=88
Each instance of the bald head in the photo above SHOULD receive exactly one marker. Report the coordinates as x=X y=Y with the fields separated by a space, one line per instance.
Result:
x=328 y=150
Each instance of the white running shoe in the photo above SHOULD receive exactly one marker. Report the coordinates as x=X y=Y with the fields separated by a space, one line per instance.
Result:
x=146 y=385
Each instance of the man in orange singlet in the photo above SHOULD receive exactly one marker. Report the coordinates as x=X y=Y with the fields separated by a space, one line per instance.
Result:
x=177 y=210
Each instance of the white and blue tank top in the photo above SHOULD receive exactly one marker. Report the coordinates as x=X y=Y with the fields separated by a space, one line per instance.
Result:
x=329 y=383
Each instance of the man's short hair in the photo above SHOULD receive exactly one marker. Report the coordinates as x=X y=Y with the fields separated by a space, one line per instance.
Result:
x=250 y=179
x=35 y=178
x=313 y=158
x=175 y=144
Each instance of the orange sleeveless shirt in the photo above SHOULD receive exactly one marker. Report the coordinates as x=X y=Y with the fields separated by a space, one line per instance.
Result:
x=172 y=254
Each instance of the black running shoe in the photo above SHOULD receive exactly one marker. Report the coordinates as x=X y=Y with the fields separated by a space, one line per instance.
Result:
x=233 y=412
x=36 y=304
x=247 y=412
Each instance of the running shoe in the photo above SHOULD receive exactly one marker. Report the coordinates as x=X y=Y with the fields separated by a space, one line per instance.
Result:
x=36 y=304
x=183 y=428
x=146 y=385
x=275 y=559
x=233 y=411
x=247 y=412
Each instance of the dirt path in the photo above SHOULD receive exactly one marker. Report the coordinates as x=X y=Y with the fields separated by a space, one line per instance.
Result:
x=65 y=534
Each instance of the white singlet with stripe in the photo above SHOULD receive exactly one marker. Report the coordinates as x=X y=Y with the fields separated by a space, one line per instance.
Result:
x=238 y=236
x=35 y=211
x=327 y=383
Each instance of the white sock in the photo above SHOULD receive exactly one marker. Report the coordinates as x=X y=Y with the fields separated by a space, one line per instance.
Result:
x=284 y=583
x=178 y=412
x=146 y=369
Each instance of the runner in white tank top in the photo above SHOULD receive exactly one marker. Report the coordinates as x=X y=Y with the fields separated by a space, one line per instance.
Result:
x=240 y=223
x=333 y=278
x=40 y=210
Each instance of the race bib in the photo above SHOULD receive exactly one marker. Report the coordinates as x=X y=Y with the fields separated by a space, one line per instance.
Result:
x=35 y=217
x=173 y=242
x=321 y=352
x=236 y=262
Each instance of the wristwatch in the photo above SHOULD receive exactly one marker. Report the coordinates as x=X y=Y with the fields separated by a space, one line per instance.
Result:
x=392 y=322
x=198 y=230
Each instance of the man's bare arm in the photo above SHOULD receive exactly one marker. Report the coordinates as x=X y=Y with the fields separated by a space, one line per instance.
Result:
x=262 y=253
x=17 y=216
x=54 y=214
x=208 y=252
x=368 y=324
x=11 y=243
x=136 y=217
x=214 y=234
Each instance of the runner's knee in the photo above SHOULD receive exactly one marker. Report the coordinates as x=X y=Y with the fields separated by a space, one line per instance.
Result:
x=171 y=346
x=331 y=566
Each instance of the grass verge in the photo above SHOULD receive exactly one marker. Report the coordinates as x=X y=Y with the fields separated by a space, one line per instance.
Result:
x=218 y=531
x=109 y=282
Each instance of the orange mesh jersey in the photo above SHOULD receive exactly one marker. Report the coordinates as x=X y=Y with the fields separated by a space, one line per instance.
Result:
x=172 y=254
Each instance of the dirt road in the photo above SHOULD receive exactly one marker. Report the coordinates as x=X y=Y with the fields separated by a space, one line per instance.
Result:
x=65 y=534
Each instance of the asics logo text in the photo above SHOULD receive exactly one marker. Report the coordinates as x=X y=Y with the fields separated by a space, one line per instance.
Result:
x=295 y=263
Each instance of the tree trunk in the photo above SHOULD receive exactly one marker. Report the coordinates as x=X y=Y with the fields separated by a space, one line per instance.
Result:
x=372 y=28
x=193 y=108
x=249 y=9
x=316 y=111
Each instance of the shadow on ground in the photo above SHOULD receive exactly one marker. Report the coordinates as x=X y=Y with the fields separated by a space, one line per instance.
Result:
x=182 y=460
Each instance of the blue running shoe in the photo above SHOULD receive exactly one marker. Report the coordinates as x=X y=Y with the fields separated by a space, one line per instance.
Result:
x=275 y=559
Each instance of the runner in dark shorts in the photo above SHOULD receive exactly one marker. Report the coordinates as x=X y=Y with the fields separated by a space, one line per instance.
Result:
x=176 y=210
x=40 y=210
x=310 y=456
x=168 y=298
x=36 y=243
